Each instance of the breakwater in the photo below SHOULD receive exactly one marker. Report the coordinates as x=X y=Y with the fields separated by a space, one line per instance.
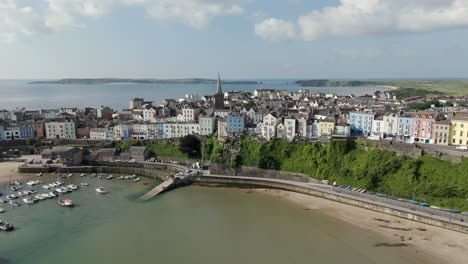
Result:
x=326 y=192
x=154 y=171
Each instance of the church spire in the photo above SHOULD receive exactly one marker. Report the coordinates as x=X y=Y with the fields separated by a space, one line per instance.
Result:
x=219 y=89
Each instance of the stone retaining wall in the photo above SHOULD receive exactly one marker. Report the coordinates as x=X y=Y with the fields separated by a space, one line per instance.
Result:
x=219 y=169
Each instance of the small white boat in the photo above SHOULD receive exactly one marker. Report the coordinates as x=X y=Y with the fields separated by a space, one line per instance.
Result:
x=136 y=180
x=46 y=187
x=12 y=196
x=52 y=195
x=101 y=190
x=66 y=203
x=110 y=177
x=32 y=183
x=62 y=190
x=3 y=201
x=2 y=210
x=29 y=200
x=82 y=175
x=84 y=184
x=72 y=187
x=120 y=178
x=39 y=174
x=40 y=197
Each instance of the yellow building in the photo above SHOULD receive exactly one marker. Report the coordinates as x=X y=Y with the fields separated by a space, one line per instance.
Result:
x=459 y=130
x=326 y=127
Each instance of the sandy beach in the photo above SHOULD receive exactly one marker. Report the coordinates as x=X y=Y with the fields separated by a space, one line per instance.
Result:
x=437 y=244
x=388 y=88
x=10 y=168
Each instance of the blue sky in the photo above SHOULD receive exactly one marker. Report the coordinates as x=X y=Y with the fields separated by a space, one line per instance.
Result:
x=49 y=39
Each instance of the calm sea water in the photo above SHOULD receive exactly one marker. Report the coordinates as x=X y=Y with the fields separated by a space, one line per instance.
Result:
x=36 y=96
x=189 y=225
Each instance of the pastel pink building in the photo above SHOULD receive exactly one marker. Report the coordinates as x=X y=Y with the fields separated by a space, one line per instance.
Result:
x=423 y=127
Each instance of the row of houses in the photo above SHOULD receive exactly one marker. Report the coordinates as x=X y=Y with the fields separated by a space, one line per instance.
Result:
x=412 y=127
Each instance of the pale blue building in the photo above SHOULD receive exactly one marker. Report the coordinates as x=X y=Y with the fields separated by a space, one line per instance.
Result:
x=361 y=123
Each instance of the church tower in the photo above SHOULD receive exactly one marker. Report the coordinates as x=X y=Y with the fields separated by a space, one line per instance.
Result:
x=219 y=96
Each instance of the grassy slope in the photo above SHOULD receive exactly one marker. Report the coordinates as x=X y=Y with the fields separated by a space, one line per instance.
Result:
x=449 y=87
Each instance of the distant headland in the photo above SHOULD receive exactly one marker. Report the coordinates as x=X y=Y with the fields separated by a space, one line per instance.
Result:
x=145 y=81
x=333 y=83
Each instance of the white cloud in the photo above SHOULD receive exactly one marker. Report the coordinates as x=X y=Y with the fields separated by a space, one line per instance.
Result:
x=17 y=22
x=275 y=29
x=64 y=14
x=369 y=17
x=54 y=15
x=196 y=13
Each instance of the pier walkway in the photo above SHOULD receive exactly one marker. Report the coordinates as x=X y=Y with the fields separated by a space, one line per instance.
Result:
x=158 y=189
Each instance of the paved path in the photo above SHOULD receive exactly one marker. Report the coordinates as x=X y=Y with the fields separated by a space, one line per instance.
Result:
x=158 y=189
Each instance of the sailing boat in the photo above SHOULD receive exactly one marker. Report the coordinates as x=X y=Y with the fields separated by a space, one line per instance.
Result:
x=13 y=196
x=100 y=189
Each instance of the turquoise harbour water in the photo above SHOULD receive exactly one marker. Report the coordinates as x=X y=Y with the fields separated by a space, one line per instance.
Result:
x=188 y=225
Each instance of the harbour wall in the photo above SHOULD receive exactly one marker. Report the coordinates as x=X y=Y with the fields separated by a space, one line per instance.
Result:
x=245 y=182
x=155 y=171
x=220 y=169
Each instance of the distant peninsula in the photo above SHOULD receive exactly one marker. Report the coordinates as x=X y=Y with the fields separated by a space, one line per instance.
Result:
x=141 y=81
x=331 y=83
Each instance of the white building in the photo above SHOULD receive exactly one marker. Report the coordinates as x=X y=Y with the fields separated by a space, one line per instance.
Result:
x=190 y=114
x=390 y=124
x=289 y=129
x=64 y=129
x=270 y=122
x=101 y=133
x=378 y=127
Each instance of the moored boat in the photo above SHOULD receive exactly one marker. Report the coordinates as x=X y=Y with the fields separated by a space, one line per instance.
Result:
x=2 y=210
x=72 y=187
x=84 y=184
x=101 y=190
x=29 y=200
x=62 y=190
x=6 y=227
x=136 y=180
x=14 y=203
x=12 y=196
x=66 y=203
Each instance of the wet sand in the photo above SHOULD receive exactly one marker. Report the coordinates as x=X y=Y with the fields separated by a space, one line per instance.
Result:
x=438 y=244
x=10 y=169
